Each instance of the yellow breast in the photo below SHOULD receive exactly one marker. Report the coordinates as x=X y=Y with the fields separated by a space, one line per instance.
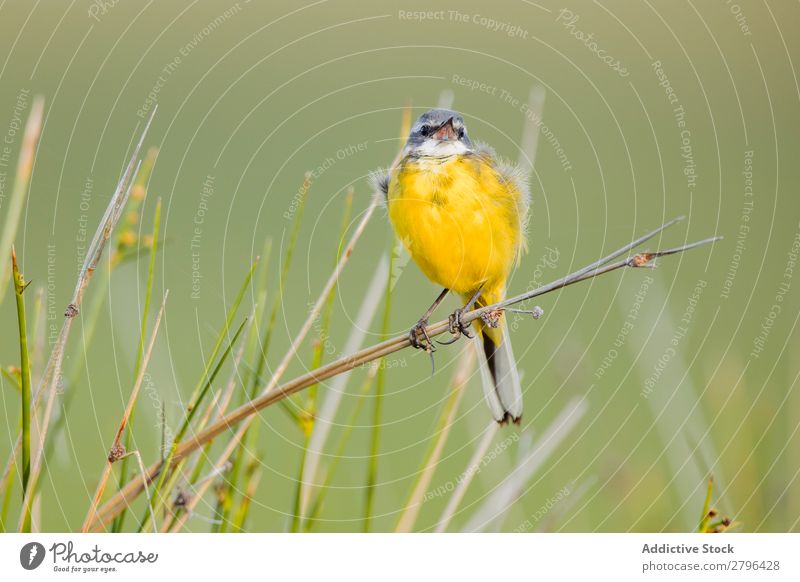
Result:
x=459 y=219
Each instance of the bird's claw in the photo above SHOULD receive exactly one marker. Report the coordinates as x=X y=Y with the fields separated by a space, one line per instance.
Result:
x=419 y=338
x=492 y=318
x=457 y=327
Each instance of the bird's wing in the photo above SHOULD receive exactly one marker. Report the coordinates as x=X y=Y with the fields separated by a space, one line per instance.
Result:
x=517 y=177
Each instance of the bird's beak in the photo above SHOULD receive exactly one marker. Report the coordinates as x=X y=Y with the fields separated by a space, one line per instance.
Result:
x=446 y=131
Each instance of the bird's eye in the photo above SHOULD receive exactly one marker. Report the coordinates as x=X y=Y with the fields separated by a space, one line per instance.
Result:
x=425 y=130
x=461 y=133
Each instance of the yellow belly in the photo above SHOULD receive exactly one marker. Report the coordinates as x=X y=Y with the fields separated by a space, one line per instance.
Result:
x=458 y=219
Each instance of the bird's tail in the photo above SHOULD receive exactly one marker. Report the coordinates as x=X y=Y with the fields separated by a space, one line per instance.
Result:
x=499 y=375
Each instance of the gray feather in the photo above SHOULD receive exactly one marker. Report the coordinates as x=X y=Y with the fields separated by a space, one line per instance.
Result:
x=379 y=183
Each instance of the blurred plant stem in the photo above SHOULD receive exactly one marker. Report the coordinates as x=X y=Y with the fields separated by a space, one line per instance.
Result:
x=377 y=409
x=158 y=495
x=473 y=466
x=307 y=416
x=123 y=470
x=200 y=391
x=22 y=178
x=118 y=451
x=319 y=500
x=250 y=437
x=447 y=418
x=710 y=520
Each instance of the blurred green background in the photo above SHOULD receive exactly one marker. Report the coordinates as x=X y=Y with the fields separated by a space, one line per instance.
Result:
x=683 y=370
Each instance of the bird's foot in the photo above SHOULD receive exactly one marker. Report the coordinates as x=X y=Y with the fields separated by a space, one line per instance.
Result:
x=492 y=318
x=457 y=327
x=419 y=338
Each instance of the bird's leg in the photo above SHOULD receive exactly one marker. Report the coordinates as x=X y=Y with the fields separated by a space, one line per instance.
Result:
x=418 y=336
x=457 y=327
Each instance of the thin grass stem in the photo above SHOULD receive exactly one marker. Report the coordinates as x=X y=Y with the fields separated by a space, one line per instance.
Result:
x=443 y=426
x=473 y=466
x=117 y=451
x=307 y=417
x=123 y=470
x=158 y=497
x=377 y=405
x=319 y=499
x=227 y=502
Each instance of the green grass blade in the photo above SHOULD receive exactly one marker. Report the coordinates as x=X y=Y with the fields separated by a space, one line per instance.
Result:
x=258 y=315
x=236 y=304
x=251 y=435
x=371 y=301
x=157 y=496
x=205 y=381
x=194 y=399
x=705 y=518
x=225 y=501
x=25 y=381
x=252 y=476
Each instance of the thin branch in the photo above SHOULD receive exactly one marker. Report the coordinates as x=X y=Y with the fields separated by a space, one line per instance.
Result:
x=275 y=393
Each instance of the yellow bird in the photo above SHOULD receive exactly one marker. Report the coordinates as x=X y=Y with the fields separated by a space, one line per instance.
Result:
x=461 y=214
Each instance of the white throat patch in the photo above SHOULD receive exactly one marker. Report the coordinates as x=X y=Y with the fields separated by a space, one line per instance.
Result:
x=440 y=149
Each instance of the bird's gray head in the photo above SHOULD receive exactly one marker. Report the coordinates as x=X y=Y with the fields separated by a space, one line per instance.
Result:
x=438 y=133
